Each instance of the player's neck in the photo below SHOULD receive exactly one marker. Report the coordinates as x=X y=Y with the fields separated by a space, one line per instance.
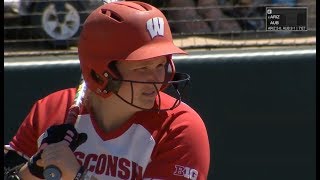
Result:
x=110 y=113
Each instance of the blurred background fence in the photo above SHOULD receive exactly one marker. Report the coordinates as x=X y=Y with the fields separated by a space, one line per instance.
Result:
x=45 y=26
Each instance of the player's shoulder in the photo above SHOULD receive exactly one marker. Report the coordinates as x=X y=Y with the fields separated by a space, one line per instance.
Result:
x=185 y=127
x=55 y=103
x=60 y=95
x=52 y=108
x=182 y=108
x=183 y=115
x=187 y=124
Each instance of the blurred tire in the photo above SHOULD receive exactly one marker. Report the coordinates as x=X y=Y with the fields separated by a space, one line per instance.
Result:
x=58 y=22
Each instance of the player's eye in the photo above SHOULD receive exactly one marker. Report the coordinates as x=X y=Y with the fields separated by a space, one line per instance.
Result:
x=144 y=68
x=161 y=65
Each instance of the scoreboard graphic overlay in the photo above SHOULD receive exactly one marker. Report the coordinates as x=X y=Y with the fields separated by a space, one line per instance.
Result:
x=286 y=19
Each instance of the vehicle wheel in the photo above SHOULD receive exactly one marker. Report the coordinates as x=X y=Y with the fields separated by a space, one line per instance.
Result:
x=58 y=22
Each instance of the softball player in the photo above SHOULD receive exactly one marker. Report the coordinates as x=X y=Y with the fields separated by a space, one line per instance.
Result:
x=125 y=126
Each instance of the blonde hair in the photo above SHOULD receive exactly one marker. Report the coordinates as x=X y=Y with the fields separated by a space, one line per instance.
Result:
x=87 y=99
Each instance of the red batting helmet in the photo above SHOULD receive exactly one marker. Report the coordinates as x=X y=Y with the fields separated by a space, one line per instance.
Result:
x=122 y=31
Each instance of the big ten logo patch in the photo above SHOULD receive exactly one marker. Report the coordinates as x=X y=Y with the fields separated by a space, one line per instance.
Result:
x=186 y=172
x=155 y=27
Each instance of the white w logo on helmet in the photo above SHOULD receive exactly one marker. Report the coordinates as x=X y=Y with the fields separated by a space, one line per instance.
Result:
x=155 y=27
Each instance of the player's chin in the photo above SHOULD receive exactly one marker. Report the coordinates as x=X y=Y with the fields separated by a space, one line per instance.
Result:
x=147 y=103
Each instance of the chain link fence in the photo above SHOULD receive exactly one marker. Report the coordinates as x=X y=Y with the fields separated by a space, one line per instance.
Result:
x=52 y=27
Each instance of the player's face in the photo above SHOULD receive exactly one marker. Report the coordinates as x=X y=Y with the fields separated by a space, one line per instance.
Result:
x=151 y=70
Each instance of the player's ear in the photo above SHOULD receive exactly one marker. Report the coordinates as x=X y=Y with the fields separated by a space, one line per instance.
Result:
x=113 y=84
x=114 y=69
x=96 y=77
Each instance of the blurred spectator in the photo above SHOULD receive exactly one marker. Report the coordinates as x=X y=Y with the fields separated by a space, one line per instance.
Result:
x=286 y=3
x=311 y=5
x=217 y=20
x=191 y=20
x=250 y=13
x=193 y=16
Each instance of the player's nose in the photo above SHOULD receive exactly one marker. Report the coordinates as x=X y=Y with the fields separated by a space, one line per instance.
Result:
x=153 y=76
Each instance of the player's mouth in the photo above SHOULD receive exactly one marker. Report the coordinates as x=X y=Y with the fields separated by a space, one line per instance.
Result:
x=149 y=93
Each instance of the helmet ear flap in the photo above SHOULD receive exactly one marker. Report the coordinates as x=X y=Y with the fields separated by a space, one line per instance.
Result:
x=170 y=71
x=112 y=84
x=96 y=77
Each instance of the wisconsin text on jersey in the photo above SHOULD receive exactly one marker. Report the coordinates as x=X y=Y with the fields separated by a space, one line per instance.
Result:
x=123 y=168
x=109 y=165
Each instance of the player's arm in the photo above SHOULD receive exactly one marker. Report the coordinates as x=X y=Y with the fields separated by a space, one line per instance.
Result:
x=183 y=153
x=18 y=172
x=51 y=110
x=22 y=147
x=13 y=163
x=42 y=115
